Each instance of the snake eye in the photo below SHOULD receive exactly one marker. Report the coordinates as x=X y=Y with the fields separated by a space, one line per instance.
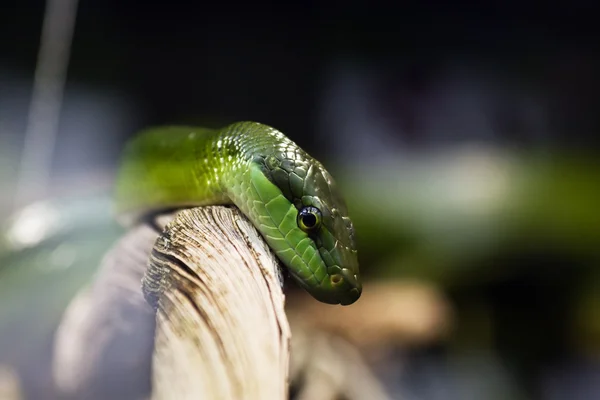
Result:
x=309 y=219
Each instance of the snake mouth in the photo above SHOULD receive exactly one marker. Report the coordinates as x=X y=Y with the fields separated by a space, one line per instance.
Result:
x=351 y=297
x=356 y=288
x=352 y=288
x=334 y=290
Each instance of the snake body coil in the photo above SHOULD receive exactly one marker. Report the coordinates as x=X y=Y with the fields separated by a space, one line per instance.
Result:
x=288 y=195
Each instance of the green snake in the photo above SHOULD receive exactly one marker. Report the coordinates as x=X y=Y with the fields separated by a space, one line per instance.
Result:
x=287 y=195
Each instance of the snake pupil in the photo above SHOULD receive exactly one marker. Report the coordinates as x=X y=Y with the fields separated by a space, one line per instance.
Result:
x=309 y=220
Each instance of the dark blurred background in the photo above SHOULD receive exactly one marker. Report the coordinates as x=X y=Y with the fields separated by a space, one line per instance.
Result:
x=464 y=135
x=433 y=72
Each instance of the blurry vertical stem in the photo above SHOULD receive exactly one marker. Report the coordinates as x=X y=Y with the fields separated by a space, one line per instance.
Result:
x=46 y=99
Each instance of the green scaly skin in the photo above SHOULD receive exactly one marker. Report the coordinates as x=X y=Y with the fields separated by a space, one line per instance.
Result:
x=267 y=176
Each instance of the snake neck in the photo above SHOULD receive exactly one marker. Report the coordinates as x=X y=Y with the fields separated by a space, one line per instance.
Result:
x=234 y=151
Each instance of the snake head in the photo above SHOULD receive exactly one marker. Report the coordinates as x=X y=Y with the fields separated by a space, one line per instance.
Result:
x=312 y=233
x=334 y=237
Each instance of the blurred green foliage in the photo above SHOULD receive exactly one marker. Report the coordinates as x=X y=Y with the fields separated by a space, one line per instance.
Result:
x=438 y=218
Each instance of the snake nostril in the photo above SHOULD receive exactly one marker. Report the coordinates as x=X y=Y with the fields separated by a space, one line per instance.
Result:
x=336 y=278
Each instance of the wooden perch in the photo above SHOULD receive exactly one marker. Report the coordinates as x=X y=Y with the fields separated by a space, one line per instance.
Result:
x=220 y=310
x=221 y=329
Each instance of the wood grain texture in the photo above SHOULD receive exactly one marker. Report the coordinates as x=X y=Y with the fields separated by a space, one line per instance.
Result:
x=221 y=329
